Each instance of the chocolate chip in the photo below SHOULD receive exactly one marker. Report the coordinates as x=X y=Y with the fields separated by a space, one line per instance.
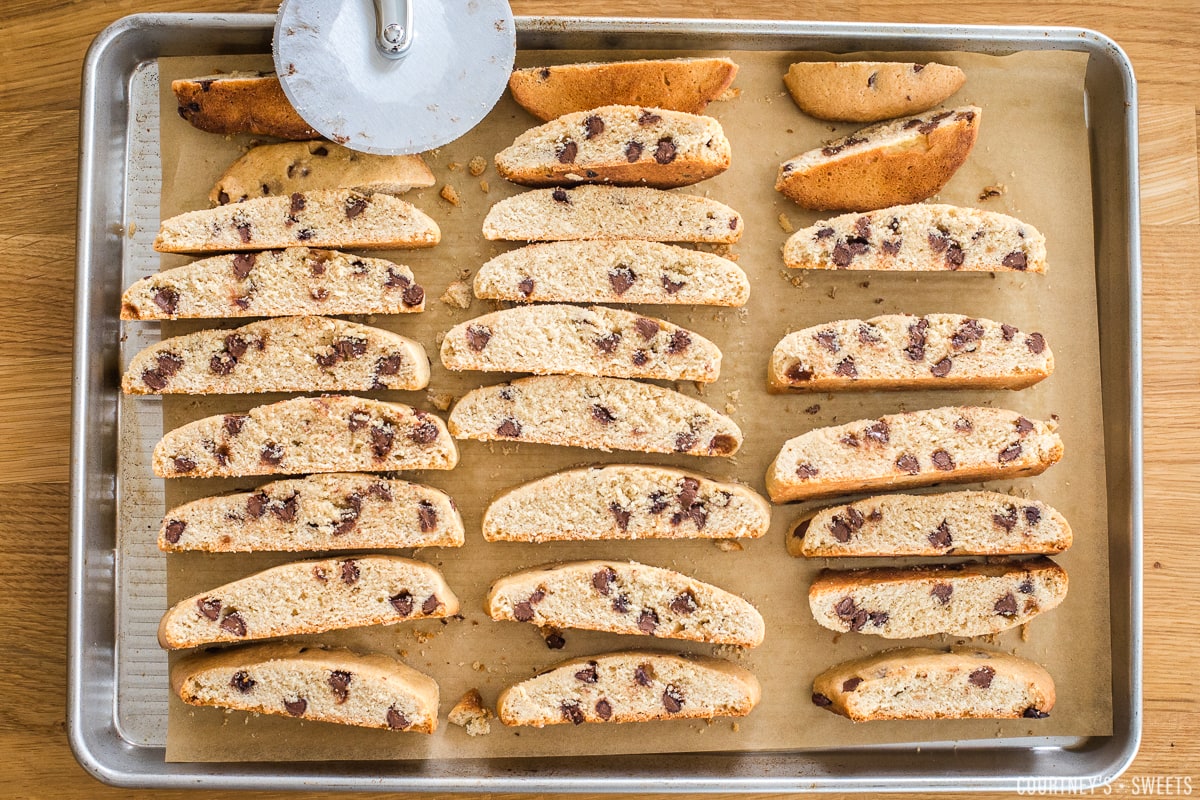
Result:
x=680 y=341
x=643 y=674
x=821 y=700
x=940 y=537
x=233 y=623
x=523 y=611
x=242 y=681
x=648 y=118
x=222 y=197
x=478 y=336
x=621 y=278
x=840 y=529
x=1015 y=260
x=670 y=286
x=845 y=608
x=209 y=607
x=1036 y=343
x=1010 y=453
x=658 y=502
x=942 y=368
x=797 y=373
x=647 y=620
x=382 y=439
x=942 y=592
x=875 y=515
x=665 y=152
x=431 y=604
x=845 y=252
x=620 y=514
x=271 y=453
x=891 y=247
x=381 y=491
x=620 y=604
x=319 y=575
x=571 y=712
x=397 y=721
x=850 y=440
x=968 y=333
x=963 y=425
x=608 y=344
x=403 y=603
x=350 y=572
x=554 y=640
x=560 y=195
x=425 y=433
x=806 y=471
x=1006 y=606
x=823 y=233
x=594 y=126
x=1007 y=331
x=684 y=603
x=633 y=151
x=908 y=463
x=567 y=152
x=982 y=677
x=942 y=460
x=525 y=287
x=287 y=510
x=413 y=296
x=912 y=123
x=672 y=699
x=544 y=73
x=298 y=202
x=828 y=339
x=832 y=150
x=1006 y=521
x=296 y=707
x=396 y=279
x=684 y=442
x=339 y=684
x=1024 y=426
x=927 y=128
x=427 y=516
x=1032 y=515
x=588 y=674
x=918 y=67
x=915 y=350
x=1034 y=713
x=603 y=709
x=846 y=368
x=167 y=299
x=1026 y=586
x=183 y=464
x=232 y=424
x=646 y=328
x=509 y=428
x=602 y=415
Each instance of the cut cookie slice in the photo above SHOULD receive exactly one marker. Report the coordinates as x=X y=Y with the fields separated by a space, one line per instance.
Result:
x=240 y=102
x=471 y=714
x=870 y=91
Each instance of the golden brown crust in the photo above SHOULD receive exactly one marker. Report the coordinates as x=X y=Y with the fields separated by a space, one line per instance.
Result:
x=870 y=91
x=252 y=104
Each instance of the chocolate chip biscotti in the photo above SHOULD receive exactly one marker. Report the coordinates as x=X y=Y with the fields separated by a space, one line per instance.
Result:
x=240 y=102
x=870 y=91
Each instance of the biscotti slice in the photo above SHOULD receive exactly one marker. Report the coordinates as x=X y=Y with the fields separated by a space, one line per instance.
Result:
x=309 y=597
x=313 y=683
x=681 y=84
x=959 y=600
x=598 y=413
x=275 y=283
x=282 y=169
x=332 y=433
x=336 y=511
x=953 y=444
x=569 y=340
x=901 y=351
x=623 y=145
x=240 y=102
x=930 y=237
x=611 y=212
x=952 y=523
x=921 y=683
x=870 y=91
x=338 y=218
x=612 y=272
x=904 y=161
x=631 y=686
x=625 y=597
x=471 y=714
x=284 y=354
x=626 y=501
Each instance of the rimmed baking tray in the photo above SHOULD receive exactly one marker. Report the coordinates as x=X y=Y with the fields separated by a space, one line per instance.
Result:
x=114 y=669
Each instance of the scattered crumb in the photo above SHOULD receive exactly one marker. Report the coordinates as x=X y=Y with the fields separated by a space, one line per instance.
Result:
x=734 y=727
x=441 y=337
x=454 y=166
x=722 y=250
x=484 y=186
x=464 y=273
x=471 y=714
x=458 y=294
x=831 y=292
x=1025 y=632
x=785 y=223
x=554 y=638
x=865 y=285
x=450 y=195
x=813 y=409
x=878 y=301
x=699 y=387
x=728 y=545
x=732 y=93
x=440 y=400
x=424 y=636
x=993 y=191
x=734 y=397
x=796 y=280
x=478 y=666
x=132 y=229
x=477 y=165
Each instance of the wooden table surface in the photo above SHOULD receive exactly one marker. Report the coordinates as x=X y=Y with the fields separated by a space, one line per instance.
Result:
x=43 y=43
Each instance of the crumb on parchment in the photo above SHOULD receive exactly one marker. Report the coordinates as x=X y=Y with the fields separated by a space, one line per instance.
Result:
x=470 y=713
x=450 y=195
x=457 y=294
x=477 y=165
x=785 y=223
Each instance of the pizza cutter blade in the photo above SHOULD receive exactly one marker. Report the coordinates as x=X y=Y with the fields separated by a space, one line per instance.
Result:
x=394 y=76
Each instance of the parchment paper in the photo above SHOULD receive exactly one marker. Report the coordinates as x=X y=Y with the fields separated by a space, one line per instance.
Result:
x=1032 y=139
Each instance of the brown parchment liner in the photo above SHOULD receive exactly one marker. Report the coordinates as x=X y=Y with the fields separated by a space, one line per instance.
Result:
x=1032 y=139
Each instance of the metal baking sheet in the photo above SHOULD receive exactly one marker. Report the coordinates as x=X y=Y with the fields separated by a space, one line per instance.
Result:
x=117 y=675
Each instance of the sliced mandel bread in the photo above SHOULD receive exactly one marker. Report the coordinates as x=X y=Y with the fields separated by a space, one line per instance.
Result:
x=312 y=683
x=870 y=91
x=570 y=340
x=625 y=597
x=953 y=444
x=959 y=600
x=612 y=272
x=626 y=501
x=284 y=354
x=925 y=237
x=240 y=102
x=336 y=218
x=275 y=283
x=951 y=523
x=336 y=511
x=903 y=161
x=611 y=212
x=598 y=413
x=309 y=597
x=333 y=433
x=922 y=683
x=901 y=351
x=631 y=686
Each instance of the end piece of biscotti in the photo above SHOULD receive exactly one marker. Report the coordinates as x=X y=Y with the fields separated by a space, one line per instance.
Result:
x=284 y=354
x=924 y=237
x=336 y=511
x=570 y=340
x=870 y=91
x=901 y=351
x=240 y=102
x=922 y=683
x=631 y=686
x=336 y=218
x=904 y=161
x=313 y=683
x=681 y=84
x=952 y=444
x=626 y=501
x=960 y=600
x=612 y=272
x=951 y=523
x=332 y=433
x=309 y=597
x=471 y=714
x=598 y=413
x=611 y=212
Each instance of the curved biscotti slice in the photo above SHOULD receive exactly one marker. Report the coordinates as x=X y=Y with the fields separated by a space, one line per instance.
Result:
x=337 y=511
x=901 y=351
x=870 y=91
x=622 y=145
x=284 y=354
x=953 y=444
x=904 y=161
x=281 y=169
x=333 y=433
x=921 y=683
x=951 y=523
x=240 y=102
x=275 y=283
x=962 y=600
x=598 y=413
x=681 y=84
x=612 y=272
x=925 y=237
x=337 y=218
x=626 y=501
x=569 y=340
x=611 y=212
x=309 y=597
x=313 y=683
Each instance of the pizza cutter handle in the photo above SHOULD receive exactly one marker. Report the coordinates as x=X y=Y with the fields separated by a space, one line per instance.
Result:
x=393 y=27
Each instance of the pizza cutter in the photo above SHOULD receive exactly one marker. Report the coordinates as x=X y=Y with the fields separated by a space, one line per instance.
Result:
x=402 y=77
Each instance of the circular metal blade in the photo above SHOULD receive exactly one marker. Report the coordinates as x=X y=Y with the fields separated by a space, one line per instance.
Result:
x=461 y=56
